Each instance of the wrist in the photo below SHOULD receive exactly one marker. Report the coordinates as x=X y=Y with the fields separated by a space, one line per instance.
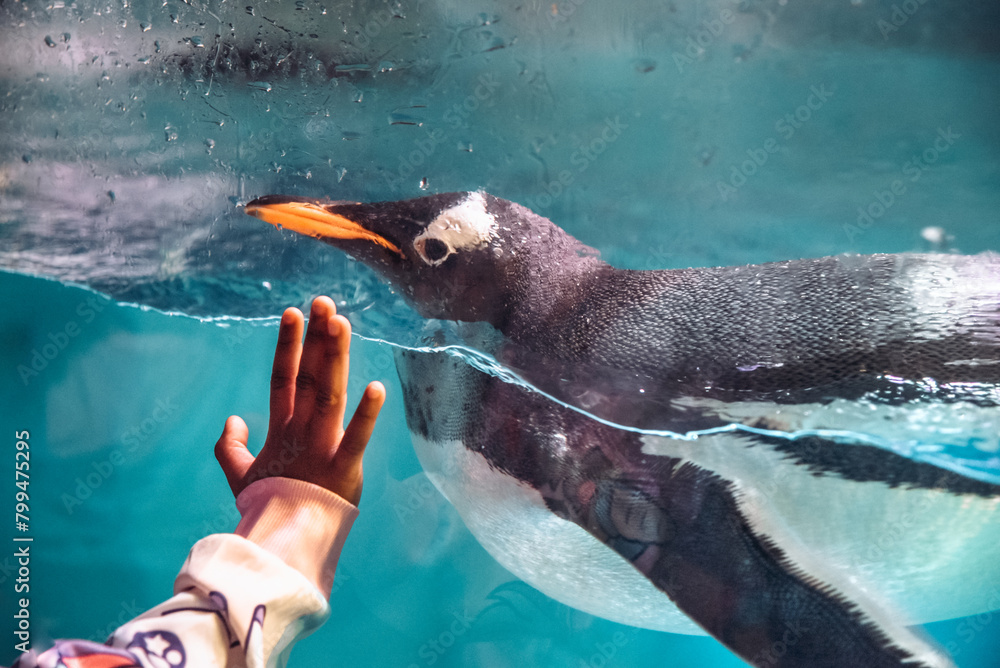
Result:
x=303 y=524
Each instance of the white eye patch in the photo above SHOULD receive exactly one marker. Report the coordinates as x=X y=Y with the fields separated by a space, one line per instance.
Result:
x=465 y=226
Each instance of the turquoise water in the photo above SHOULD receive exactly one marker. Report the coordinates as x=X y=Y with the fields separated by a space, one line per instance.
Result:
x=122 y=424
x=131 y=135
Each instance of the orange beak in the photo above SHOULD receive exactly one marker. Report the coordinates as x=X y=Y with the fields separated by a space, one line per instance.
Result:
x=314 y=220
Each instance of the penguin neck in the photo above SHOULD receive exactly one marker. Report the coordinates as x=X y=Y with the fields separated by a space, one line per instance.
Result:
x=547 y=296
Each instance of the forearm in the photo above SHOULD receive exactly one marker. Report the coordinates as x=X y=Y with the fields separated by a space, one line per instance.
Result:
x=240 y=599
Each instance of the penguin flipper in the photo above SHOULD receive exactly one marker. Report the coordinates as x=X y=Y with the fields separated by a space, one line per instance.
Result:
x=694 y=543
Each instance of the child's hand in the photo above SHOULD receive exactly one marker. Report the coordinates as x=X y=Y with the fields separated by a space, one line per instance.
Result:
x=306 y=438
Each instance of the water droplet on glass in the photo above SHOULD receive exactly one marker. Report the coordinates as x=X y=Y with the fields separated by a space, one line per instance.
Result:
x=157 y=45
x=423 y=183
x=197 y=42
x=210 y=143
x=492 y=42
x=66 y=37
x=645 y=65
x=351 y=136
x=112 y=196
x=260 y=85
x=358 y=96
x=144 y=60
x=465 y=146
x=26 y=157
x=386 y=66
x=145 y=27
x=309 y=174
x=341 y=173
x=403 y=118
x=49 y=42
x=170 y=133
x=173 y=18
x=354 y=67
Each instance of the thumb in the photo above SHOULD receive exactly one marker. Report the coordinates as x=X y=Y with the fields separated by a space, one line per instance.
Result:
x=231 y=451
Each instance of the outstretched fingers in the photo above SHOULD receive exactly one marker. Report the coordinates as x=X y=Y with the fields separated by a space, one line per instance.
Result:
x=359 y=431
x=330 y=400
x=311 y=363
x=285 y=369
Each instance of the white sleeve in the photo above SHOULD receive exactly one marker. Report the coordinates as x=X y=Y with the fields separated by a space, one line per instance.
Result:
x=241 y=599
x=235 y=604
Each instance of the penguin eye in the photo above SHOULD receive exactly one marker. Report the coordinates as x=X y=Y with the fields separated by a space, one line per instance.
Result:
x=433 y=251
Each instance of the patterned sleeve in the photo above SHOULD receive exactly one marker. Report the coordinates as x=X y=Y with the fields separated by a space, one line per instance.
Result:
x=241 y=599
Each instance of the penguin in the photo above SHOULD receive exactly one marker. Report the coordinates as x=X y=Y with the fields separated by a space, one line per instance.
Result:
x=586 y=483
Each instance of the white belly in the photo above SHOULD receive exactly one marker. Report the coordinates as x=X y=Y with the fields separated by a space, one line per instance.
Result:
x=553 y=555
x=923 y=554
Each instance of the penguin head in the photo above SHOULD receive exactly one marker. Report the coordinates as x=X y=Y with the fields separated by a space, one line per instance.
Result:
x=455 y=256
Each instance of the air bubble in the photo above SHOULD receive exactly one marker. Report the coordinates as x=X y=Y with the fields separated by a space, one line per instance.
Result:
x=934 y=235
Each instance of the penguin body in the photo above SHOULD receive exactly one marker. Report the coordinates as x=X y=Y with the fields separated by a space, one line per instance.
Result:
x=826 y=547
